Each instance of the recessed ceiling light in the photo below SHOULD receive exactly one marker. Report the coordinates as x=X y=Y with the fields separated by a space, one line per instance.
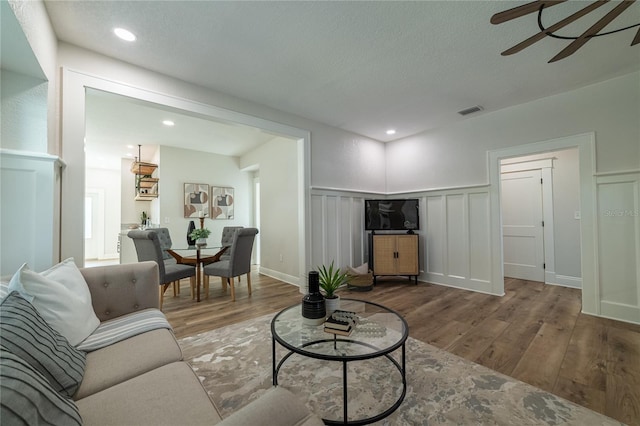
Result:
x=168 y=123
x=125 y=35
x=130 y=146
x=391 y=132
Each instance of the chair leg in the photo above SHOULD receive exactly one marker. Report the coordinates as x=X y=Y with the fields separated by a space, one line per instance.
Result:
x=233 y=289
x=175 y=287
x=224 y=280
x=163 y=288
x=192 y=281
x=248 y=282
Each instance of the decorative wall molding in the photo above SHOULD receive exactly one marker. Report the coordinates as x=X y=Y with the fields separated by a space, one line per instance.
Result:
x=552 y=278
x=29 y=183
x=454 y=235
x=618 y=243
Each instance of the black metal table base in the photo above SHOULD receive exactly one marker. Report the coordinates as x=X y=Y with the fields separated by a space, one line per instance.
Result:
x=400 y=367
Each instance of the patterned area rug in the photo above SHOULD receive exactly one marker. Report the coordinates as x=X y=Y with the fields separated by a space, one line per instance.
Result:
x=235 y=364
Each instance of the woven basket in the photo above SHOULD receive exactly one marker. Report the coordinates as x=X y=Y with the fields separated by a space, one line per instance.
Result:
x=363 y=282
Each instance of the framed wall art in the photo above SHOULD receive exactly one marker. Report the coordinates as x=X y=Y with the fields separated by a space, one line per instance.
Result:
x=222 y=202
x=196 y=200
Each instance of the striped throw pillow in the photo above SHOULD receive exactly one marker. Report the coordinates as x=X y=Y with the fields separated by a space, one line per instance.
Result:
x=25 y=334
x=27 y=398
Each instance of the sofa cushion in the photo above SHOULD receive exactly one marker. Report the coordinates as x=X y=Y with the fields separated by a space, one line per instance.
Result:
x=126 y=359
x=27 y=335
x=277 y=406
x=62 y=297
x=169 y=395
x=27 y=398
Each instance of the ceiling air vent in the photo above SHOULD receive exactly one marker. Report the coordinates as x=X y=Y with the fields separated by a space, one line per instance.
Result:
x=471 y=110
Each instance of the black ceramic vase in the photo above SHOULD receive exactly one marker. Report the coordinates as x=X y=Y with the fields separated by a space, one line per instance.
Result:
x=313 y=305
x=190 y=229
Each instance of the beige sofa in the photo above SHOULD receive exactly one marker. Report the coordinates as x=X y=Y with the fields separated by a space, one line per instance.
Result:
x=143 y=379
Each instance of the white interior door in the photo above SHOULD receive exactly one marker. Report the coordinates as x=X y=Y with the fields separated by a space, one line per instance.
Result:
x=522 y=225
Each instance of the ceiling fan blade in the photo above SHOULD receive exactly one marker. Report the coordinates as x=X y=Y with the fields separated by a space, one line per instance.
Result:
x=636 y=39
x=603 y=22
x=519 y=11
x=561 y=24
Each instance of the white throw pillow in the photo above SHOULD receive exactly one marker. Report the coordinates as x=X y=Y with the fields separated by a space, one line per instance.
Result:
x=359 y=270
x=61 y=296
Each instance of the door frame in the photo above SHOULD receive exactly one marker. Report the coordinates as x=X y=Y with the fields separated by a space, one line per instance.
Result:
x=72 y=131
x=588 y=257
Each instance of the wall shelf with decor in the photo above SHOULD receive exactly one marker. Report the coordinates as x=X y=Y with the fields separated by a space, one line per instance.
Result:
x=146 y=184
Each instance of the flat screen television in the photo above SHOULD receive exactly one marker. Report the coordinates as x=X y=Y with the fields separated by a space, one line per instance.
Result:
x=391 y=215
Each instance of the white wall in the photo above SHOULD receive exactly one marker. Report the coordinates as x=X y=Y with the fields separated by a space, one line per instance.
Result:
x=278 y=165
x=24 y=112
x=179 y=166
x=108 y=182
x=457 y=155
x=32 y=17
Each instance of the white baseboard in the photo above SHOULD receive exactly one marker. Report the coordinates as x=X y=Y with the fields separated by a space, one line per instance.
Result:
x=289 y=279
x=479 y=286
x=109 y=256
x=620 y=312
x=552 y=278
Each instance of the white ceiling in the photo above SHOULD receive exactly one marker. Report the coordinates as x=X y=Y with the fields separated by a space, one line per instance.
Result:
x=116 y=125
x=358 y=65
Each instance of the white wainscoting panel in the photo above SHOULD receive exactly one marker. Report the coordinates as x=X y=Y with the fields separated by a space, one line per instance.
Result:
x=337 y=229
x=457 y=236
x=479 y=237
x=29 y=182
x=435 y=238
x=455 y=247
x=618 y=233
x=458 y=239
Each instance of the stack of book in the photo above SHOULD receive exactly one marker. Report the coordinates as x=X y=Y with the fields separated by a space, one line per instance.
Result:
x=341 y=322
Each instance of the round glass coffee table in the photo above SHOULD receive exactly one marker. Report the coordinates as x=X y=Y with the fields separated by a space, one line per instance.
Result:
x=379 y=332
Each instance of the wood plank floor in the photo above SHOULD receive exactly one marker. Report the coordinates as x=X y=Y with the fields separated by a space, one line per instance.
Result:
x=535 y=333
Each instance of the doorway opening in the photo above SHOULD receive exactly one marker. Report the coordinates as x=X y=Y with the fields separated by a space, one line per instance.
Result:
x=540 y=206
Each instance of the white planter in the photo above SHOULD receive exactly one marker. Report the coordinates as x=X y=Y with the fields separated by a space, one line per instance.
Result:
x=332 y=304
x=201 y=242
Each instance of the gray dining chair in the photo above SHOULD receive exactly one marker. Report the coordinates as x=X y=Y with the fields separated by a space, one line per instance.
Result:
x=239 y=262
x=149 y=247
x=227 y=239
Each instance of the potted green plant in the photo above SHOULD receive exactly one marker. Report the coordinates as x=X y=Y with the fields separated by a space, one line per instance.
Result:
x=200 y=236
x=331 y=279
